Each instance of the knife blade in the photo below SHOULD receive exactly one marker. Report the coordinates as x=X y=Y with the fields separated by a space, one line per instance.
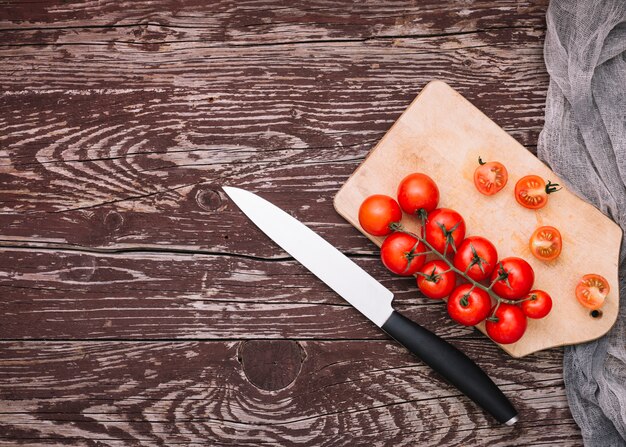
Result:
x=373 y=300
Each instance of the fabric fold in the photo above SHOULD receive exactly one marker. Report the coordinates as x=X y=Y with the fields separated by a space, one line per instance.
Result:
x=584 y=142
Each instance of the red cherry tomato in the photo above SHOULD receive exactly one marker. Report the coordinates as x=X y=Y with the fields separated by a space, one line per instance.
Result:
x=402 y=254
x=377 y=213
x=436 y=280
x=477 y=257
x=532 y=192
x=545 y=243
x=418 y=192
x=507 y=325
x=468 y=306
x=537 y=304
x=592 y=290
x=519 y=278
x=490 y=177
x=445 y=227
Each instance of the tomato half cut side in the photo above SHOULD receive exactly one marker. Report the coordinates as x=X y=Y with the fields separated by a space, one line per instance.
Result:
x=532 y=192
x=592 y=290
x=490 y=177
x=546 y=243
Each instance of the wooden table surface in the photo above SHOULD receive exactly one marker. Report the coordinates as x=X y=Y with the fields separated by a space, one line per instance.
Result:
x=140 y=307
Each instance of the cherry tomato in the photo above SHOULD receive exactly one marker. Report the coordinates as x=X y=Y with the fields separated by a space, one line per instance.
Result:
x=490 y=177
x=445 y=227
x=477 y=257
x=436 y=280
x=418 y=192
x=508 y=324
x=402 y=254
x=519 y=278
x=592 y=290
x=468 y=306
x=532 y=192
x=537 y=304
x=546 y=243
x=377 y=213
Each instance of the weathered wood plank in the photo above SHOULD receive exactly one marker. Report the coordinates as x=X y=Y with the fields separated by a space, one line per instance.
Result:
x=135 y=113
x=262 y=22
x=117 y=188
x=173 y=393
x=135 y=136
x=60 y=295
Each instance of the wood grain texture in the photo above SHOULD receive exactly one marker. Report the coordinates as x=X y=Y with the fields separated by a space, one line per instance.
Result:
x=154 y=133
x=187 y=393
x=67 y=295
x=121 y=120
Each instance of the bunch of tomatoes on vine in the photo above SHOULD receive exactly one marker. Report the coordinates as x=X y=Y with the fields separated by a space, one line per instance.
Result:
x=447 y=264
x=466 y=269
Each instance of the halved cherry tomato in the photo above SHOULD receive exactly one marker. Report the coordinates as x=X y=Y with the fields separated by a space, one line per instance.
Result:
x=592 y=290
x=517 y=277
x=402 y=254
x=477 y=257
x=546 y=243
x=377 y=213
x=418 y=192
x=468 y=305
x=445 y=228
x=537 y=304
x=490 y=177
x=436 y=280
x=532 y=192
x=507 y=325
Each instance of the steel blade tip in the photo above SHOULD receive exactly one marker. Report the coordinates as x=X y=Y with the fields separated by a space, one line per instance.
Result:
x=231 y=189
x=236 y=193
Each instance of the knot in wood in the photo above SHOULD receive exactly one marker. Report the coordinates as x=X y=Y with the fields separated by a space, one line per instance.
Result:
x=79 y=268
x=209 y=199
x=271 y=364
x=113 y=221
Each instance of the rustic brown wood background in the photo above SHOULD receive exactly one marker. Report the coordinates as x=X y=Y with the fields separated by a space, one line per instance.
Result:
x=140 y=307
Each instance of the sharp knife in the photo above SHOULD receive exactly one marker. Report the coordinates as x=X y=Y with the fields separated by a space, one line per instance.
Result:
x=373 y=300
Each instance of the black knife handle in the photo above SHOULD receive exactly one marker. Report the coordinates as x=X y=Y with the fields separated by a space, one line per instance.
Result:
x=453 y=365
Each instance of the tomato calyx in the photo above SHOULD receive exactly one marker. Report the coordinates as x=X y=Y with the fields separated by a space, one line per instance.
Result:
x=476 y=260
x=465 y=298
x=412 y=254
x=432 y=276
x=480 y=161
x=397 y=226
x=493 y=318
x=448 y=235
x=421 y=213
x=552 y=187
x=503 y=275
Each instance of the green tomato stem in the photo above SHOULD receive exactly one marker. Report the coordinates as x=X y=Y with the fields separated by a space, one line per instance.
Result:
x=444 y=258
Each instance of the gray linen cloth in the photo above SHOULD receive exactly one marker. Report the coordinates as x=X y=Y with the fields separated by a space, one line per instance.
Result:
x=584 y=142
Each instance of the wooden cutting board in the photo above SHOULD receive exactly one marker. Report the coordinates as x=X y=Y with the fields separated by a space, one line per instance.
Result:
x=442 y=134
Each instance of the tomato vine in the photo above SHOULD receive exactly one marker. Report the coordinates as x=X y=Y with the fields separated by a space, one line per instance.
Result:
x=502 y=275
